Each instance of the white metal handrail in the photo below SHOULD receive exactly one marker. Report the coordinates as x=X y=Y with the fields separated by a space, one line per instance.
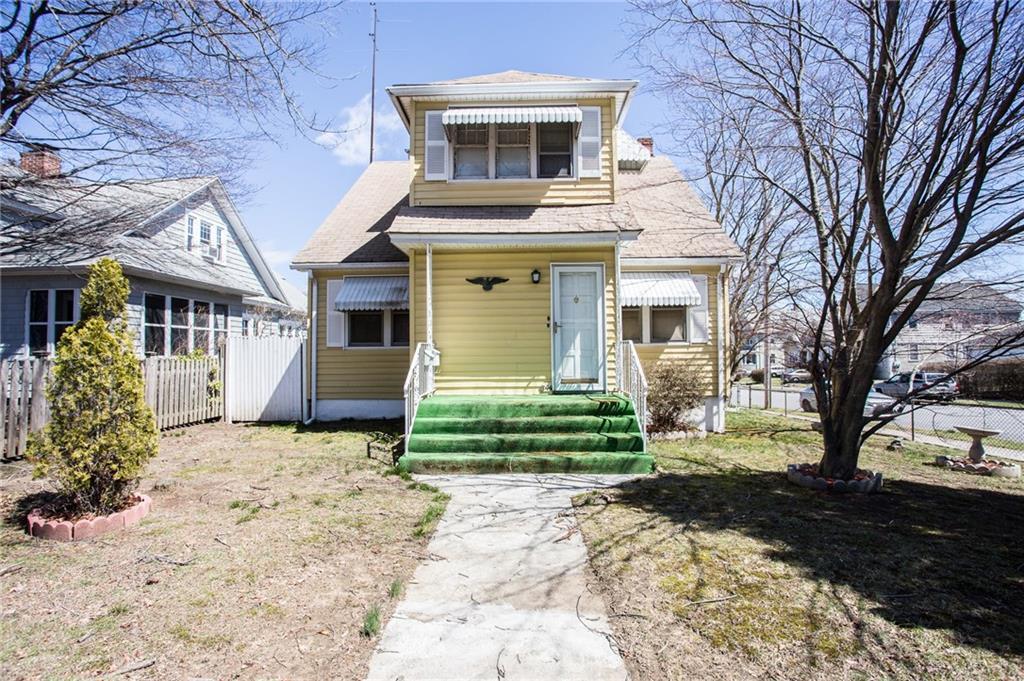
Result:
x=419 y=382
x=634 y=384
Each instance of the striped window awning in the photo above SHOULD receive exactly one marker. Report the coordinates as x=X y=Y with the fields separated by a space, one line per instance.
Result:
x=513 y=114
x=373 y=293
x=658 y=288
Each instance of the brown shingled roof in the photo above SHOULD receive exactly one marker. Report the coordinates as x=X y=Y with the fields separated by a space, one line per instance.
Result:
x=354 y=232
x=675 y=222
x=514 y=219
x=657 y=200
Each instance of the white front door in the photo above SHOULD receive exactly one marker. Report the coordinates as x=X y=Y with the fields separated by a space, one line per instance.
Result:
x=577 y=305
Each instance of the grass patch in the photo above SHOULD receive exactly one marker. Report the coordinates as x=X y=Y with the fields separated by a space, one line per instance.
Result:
x=428 y=521
x=396 y=588
x=371 y=622
x=730 y=566
x=186 y=635
x=201 y=594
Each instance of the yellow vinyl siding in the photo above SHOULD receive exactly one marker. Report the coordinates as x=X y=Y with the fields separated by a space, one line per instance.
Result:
x=512 y=192
x=355 y=373
x=702 y=355
x=498 y=341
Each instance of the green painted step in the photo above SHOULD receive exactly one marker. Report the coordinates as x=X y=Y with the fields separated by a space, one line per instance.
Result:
x=511 y=406
x=526 y=433
x=526 y=442
x=526 y=424
x=552 y=462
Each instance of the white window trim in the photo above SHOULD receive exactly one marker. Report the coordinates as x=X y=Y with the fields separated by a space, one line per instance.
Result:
x=51 y=317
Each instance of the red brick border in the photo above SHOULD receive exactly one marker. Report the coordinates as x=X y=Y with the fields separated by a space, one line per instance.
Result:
x=65 y=530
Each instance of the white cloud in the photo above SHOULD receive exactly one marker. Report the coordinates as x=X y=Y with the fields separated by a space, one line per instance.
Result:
x=351 y=145
x=275 y=257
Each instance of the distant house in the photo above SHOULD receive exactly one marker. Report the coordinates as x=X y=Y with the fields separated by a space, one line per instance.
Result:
x=959 y=320
x=195 y=271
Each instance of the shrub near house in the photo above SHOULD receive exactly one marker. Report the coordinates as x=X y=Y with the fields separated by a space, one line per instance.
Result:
x=101 y=432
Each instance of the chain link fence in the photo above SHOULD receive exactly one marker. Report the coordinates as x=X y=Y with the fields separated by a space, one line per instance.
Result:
x=927 y=421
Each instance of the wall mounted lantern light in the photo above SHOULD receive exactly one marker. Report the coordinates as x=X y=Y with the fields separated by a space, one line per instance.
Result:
x=535 y=276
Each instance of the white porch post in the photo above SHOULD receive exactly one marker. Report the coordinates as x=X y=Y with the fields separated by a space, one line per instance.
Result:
x=720 y=343
x=618 y=315
x=430 y=295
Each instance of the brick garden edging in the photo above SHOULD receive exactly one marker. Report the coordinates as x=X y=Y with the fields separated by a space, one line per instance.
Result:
x=65 y=530
x=871 y=482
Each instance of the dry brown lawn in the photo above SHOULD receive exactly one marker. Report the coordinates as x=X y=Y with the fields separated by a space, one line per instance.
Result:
x=266 y=549
x=718 y=568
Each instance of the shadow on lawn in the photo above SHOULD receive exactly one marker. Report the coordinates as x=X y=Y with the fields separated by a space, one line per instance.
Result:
x=926 y=555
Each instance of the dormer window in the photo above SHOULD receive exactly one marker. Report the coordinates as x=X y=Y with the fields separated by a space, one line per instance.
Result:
x=554 y=150
x=513 y=151
x=471 y=151
x=513 y=143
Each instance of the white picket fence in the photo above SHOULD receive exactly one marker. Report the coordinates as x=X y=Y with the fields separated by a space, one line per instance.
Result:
x=265 y=379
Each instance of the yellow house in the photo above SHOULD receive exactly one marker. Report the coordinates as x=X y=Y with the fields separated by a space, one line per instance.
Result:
x=504 y=287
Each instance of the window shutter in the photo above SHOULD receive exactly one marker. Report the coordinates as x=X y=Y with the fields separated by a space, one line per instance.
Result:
x=590 y=142
x=435 y=148
x=699 y=313
x=190 y=234
x=335 y=319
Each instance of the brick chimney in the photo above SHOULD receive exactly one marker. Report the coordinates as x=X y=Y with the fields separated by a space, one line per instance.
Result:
x=41 y=160
x=647 y=142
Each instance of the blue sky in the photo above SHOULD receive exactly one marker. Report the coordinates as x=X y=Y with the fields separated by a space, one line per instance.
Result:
x=298 y=181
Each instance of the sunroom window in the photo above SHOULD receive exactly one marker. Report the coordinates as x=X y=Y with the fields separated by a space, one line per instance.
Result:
x=513 y=151
x=471 y=151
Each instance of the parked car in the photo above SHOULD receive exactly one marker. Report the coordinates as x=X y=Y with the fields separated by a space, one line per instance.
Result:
x=898 y=386
x=875 y=404
x=796 y=376
x=778 y=371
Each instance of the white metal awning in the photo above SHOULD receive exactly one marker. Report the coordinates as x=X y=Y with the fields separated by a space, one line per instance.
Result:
x=373 y=293
x=513 y=114
x=658 y=288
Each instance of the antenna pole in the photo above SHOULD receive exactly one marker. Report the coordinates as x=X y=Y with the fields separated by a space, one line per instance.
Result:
x=373 y=78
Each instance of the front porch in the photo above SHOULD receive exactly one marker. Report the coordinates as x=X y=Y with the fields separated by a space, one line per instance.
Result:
x=592 y=433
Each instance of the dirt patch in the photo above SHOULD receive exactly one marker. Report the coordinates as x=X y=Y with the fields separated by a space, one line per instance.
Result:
x=265 y=549
x=719 y=568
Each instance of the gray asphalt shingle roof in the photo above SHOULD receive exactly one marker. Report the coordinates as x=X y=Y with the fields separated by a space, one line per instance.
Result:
x=72 y=223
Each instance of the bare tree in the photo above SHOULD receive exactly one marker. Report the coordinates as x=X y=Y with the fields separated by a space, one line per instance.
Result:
x=758 y=217
x=134 y=89
x=905 y=125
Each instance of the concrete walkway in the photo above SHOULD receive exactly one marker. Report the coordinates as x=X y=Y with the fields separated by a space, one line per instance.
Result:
x=503 y=594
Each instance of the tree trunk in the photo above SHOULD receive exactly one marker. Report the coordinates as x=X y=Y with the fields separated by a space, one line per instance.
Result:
x=842 y=416
x=842 y=443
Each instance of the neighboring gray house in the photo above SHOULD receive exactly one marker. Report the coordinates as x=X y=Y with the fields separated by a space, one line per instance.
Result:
x=193 y=267
x=960 y=320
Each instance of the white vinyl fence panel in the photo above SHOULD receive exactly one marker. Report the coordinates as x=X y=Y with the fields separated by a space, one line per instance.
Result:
x=264 y=378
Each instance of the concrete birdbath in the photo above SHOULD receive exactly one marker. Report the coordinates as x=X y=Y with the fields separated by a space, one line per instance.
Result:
x=977 y=452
